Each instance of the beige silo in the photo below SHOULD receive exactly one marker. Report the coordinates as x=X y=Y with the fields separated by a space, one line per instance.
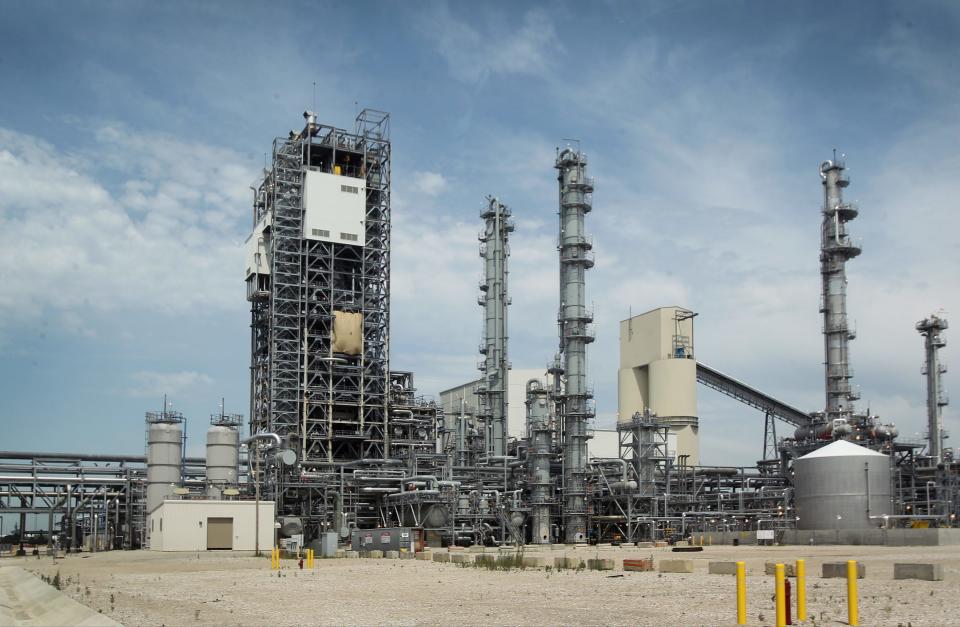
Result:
x=658 y=372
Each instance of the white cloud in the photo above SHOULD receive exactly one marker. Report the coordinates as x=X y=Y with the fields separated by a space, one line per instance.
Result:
x=164 y=237
x=429 y=183
x=476 y=52
x=156 y=384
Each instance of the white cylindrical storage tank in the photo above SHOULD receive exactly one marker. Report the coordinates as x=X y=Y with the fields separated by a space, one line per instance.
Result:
x=840 y=486
x=164 y=456
x=223 y=452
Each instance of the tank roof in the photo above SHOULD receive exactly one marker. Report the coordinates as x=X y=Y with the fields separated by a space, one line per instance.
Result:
x=841 y=448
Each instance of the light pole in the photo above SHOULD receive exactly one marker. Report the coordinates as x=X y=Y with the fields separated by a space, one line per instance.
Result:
x=256 y=480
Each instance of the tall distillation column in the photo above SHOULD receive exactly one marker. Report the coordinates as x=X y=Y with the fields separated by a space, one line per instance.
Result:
x=574 y=320
x=931 y=329
x=836 y=248
x=540 y=438
x=492 y=390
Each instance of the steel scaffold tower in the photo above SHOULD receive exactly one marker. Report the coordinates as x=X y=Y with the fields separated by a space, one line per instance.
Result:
x=329 y=407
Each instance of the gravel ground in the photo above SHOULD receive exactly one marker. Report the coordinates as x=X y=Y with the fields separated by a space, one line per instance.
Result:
x=144 y=588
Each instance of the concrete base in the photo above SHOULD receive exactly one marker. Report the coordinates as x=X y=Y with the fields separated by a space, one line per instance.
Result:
x=834 y=570
x=475 y=549
x=675 y=566
x=534 y=561
x=925 y=572
x=722 y=568
x=374 y=554
x=392 y=555
x=407 y=556
x=441 y=557
x=461 y=558
x=351 y=554
x=854 y=537
x=425 y=555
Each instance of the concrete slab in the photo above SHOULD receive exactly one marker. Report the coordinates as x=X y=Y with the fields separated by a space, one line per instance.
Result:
x=925 y=572
x=441 y=557
x=26 y=600
x=351 y=554
x=461 y=558
x=832 y=570
x=722 y=568
x=600 y=563
x=475 y=549
x=789 y=569
x=425 y=555
x=374 y=554
x=675 y=566
x=534 y=561
x=407 y=556
x=392 y=555
x=566 y=561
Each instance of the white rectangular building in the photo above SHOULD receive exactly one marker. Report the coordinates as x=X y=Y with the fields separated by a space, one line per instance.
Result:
x=208 y=525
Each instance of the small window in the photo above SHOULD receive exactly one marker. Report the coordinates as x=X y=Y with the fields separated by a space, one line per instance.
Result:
x=321 y=233
x=350 y=189
x=151 y=524
x=350 y=237
x=161 y=524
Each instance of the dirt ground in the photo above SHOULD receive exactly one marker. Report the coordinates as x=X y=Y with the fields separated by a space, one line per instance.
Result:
x=146 y=588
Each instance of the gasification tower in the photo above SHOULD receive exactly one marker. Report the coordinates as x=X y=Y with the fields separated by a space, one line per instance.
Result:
x=574 y=320
x=836 y=248
x=495 y=367
x=932 y=329
x=317 y=275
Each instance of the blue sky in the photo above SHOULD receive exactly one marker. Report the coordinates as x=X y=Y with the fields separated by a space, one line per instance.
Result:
x=130 y=132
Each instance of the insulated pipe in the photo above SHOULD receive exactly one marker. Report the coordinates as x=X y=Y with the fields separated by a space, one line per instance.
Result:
x=613 y=460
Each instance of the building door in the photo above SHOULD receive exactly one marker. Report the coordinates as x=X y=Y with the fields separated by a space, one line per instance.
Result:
x=219 y=533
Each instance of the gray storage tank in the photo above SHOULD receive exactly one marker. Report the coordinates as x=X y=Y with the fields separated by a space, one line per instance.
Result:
x=840 y=486
x=223 y=454
x=164 y=455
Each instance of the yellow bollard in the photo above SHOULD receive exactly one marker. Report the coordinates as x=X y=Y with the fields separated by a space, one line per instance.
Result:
x=853 y=617
x=801 y=591
x=701 y=539
x=781 y=598
x=741 y=593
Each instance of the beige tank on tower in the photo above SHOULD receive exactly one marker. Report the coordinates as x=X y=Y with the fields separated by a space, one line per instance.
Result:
x=658 y=372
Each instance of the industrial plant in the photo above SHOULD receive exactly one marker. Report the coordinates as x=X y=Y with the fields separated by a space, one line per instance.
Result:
x=338 y=449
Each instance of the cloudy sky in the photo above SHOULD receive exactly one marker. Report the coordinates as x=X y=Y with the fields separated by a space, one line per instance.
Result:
x=129 y=134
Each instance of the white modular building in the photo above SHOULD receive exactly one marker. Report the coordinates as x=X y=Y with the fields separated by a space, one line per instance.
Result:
x=208 y=525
